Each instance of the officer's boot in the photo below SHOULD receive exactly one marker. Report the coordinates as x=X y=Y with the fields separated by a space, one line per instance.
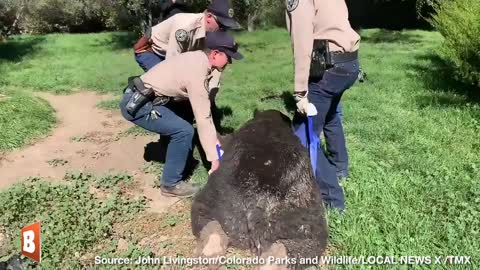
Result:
x=182 y=189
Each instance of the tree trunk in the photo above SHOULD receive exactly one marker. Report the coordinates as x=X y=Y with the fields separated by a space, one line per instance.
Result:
x=13 y=26
x=147 y=18
x=251 y=19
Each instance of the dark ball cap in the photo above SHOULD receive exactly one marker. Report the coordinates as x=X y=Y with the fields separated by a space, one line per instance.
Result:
x=223 y=42
x=224 y=12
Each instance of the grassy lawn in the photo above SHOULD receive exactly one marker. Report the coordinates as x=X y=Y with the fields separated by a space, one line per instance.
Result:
x=412 y=132
x=23 y=117
x=73 y=219
x=63 y=63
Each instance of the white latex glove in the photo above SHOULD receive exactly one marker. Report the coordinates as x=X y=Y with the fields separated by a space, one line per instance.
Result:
x=302 y=102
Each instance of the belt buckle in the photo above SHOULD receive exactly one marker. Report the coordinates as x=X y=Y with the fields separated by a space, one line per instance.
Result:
x=160 y=101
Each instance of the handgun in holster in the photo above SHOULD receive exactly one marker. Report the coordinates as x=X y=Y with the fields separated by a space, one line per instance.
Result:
x=321 y=59
x=141 y=96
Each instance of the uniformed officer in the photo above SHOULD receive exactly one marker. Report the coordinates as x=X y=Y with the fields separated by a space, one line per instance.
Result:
x=182 y=32
x=186 y=32
x=325 y=58
x=180 y=77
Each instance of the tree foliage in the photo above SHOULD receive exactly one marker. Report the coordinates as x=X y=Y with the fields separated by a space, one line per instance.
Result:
x=458 y=22
x=9 y=16
x=45 y=16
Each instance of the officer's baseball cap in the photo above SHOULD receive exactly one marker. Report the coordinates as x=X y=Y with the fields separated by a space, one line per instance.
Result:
x=222 y=41
x=223 y=10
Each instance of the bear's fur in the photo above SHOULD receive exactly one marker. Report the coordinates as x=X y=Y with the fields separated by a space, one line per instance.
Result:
x=264 y=191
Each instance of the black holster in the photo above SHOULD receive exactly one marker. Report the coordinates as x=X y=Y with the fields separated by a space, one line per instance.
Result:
x=321 y=59
x=141 y=96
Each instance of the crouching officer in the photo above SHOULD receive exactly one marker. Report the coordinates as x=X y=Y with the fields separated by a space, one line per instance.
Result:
x=148 y=99
x=182 y=32
x=326 y=64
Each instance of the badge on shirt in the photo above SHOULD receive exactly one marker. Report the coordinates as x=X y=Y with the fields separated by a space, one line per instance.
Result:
x=181 y=35
x=291 y=5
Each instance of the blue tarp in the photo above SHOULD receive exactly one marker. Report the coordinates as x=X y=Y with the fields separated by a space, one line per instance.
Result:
x=308 y=138
x=219 y=152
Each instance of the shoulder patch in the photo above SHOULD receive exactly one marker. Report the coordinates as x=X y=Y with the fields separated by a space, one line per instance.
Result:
x=291 y=5
x=181 y=35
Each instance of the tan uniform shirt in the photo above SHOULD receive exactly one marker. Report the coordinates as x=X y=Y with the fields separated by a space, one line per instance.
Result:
x=186 y=76
x=308 y=20
x=181 y=33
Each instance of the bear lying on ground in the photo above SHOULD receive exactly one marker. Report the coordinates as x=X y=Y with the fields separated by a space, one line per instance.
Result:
x=264 y=197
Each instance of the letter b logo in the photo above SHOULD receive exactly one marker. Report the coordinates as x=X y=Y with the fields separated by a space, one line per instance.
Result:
x=28 y=244
x=31 y=241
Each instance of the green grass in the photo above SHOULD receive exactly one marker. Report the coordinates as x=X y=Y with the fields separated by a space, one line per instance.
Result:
x=23 y=118
x=412 y=132
x=413 y=144
x=64 y=63
x=109 y=104
x=73 y=220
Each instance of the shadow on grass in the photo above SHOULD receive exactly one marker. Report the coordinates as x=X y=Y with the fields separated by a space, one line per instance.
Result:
x=157 y=151
x=218 y=114
x=288 y=100
x=438 y=77
x=250 y=46
x=119 y=41
x=388 y=36
x=15 y=50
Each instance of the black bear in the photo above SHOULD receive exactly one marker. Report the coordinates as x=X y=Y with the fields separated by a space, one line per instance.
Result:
x=263 y=198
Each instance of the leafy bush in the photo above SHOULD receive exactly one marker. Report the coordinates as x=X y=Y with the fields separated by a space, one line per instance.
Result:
x=73 y=219
x=458 y=22
x=8 y=18
x=45 y=16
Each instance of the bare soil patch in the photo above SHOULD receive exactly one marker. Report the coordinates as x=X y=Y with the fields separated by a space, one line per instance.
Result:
x=86 y=139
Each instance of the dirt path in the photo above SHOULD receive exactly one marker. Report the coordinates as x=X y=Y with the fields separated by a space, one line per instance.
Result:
x=86 y=139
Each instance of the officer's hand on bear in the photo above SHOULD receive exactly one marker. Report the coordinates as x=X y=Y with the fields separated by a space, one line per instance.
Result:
x=215 y=165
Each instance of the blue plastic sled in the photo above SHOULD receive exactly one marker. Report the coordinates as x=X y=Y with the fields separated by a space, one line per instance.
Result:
x=308 y=138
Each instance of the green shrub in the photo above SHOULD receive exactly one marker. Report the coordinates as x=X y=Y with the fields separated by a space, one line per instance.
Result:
x=458 y=22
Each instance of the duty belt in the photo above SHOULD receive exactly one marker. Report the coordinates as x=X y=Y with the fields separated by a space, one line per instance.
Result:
x=161 y=100
x=323 y=59
x=158 y=100
x=343 y=57
x=140 y=95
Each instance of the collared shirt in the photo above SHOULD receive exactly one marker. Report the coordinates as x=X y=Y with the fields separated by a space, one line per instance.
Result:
x=308 y=20
x=186 y=76
x=180 y=33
